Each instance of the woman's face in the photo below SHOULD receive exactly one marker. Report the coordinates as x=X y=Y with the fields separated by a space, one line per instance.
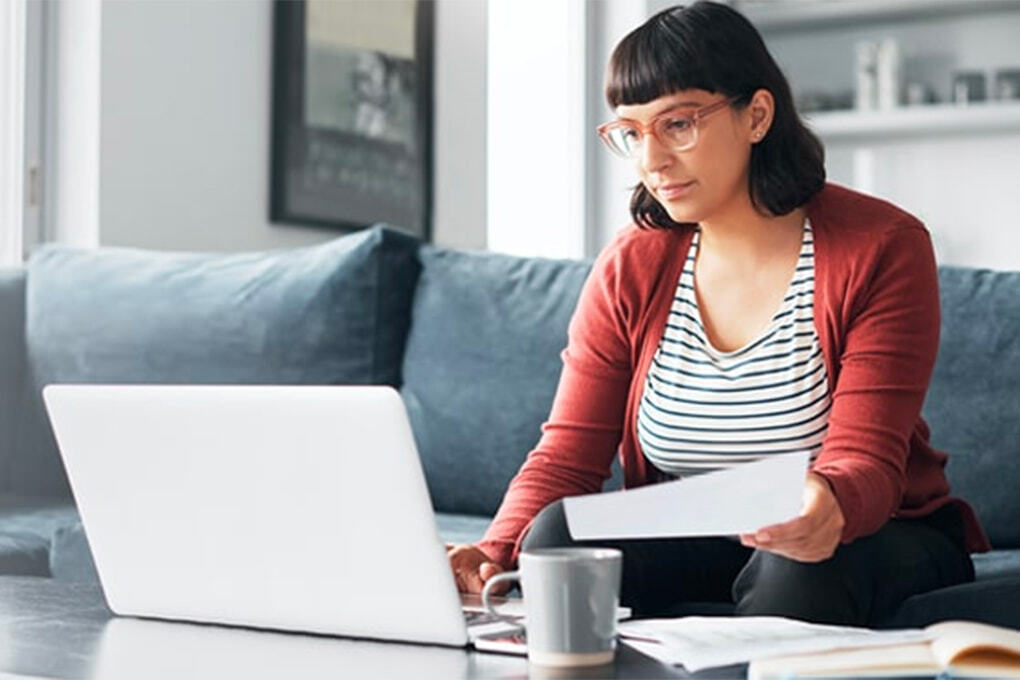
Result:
x=714 y=171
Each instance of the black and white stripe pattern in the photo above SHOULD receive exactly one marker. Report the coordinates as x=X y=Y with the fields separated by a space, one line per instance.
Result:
x=705 y=410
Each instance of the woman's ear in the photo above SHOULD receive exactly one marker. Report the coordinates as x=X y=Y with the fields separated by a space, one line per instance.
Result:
x=761 y=109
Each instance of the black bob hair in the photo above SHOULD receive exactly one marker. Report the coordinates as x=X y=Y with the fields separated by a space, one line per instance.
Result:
x=710 y=46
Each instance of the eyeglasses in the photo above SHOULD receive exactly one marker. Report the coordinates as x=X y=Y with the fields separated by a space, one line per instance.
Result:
x=675 y=130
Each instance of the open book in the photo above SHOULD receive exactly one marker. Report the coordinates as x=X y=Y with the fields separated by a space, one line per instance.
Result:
x=956 y=647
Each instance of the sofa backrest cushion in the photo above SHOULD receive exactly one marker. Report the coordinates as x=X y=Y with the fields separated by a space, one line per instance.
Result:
x=973 y=403
x=481 y=367
x=12 y=362
x=335 y=313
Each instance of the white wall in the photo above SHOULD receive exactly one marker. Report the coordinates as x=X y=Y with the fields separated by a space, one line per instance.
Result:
x=186 y=117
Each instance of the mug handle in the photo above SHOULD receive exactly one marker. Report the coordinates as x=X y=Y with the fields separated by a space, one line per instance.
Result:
x=487 y=591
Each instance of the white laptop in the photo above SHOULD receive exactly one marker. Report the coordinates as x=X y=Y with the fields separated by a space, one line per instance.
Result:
x=298 y=508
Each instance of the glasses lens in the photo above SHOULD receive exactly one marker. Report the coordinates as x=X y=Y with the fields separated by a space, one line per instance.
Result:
x=677 y=132
x=623 y=140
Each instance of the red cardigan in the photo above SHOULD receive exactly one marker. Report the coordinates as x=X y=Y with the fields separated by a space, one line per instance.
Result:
x=877 y=317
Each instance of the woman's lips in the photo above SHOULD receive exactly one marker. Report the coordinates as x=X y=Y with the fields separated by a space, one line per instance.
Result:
x=674 y=191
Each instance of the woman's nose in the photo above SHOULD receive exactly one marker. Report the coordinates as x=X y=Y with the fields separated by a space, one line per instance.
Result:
x=654 y=154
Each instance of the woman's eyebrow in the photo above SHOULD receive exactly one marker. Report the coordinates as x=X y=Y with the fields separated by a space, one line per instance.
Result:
x=678 y=105
x=671 y=107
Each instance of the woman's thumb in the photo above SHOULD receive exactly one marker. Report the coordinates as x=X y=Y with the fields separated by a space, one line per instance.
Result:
x=488 y=569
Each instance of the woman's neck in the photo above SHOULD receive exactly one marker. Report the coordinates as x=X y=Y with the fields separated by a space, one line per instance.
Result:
x=747 y=238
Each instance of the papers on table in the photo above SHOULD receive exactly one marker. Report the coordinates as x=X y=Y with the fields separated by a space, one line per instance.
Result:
x=698 y=642
x=739 y=500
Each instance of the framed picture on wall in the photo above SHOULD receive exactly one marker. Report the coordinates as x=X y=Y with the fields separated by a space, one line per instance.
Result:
x=352 y=114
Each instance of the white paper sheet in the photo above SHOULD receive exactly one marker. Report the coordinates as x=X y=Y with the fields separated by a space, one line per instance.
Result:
x=739 y=500
x=698 y=642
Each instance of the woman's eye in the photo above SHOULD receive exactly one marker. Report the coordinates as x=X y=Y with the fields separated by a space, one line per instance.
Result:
x=629 y=133
x=678 y=124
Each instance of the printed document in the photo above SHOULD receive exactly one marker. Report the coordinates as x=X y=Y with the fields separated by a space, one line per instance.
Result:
x=739 y=500
x=698 y=642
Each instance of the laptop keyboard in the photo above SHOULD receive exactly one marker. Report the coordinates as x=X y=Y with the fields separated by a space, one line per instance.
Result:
x=479 y=618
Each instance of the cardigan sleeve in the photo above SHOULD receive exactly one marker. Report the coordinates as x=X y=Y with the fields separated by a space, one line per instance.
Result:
x=581 y=436
x=886 y=363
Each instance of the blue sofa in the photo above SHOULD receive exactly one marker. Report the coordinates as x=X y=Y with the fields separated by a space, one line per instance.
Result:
x=471 y=339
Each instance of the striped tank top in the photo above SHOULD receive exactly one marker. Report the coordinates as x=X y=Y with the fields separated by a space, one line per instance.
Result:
x=704 y=410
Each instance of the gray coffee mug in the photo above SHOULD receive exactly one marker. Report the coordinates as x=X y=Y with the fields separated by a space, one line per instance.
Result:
x=570 y=600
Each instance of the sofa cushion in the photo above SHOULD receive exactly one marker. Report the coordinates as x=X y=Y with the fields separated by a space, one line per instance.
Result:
x=973 y=404
x=335 y=313
x=481 y=367
x=27 y=525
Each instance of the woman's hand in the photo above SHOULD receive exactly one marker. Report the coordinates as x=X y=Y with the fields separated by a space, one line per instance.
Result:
x=812 y=537
x=472 y=568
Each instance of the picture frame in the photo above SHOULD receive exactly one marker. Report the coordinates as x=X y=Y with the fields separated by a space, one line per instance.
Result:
x=352 y=114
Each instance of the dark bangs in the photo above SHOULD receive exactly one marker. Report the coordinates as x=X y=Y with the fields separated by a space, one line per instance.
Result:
x=712 y=47
x=666 y=55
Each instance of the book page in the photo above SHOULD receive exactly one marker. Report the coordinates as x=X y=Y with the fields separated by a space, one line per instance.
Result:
x=909 y=659
x=963 y=644
x=962 y=647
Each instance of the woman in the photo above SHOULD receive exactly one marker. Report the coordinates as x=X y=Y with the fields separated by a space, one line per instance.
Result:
x=752 y=309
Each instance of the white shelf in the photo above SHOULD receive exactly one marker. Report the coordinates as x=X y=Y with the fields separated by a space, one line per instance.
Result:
x=970 y=119
x=784 y=15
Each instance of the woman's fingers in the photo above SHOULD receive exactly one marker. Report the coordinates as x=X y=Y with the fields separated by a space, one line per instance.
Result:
x=466 y=560
x=489 y=569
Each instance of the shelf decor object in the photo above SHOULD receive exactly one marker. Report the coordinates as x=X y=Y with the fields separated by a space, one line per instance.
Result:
x=352 y=114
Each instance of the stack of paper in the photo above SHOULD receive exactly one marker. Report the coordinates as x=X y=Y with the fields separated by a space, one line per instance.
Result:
x=698 y=642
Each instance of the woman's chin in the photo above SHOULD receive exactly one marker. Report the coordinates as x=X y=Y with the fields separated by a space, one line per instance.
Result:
x=681 y=214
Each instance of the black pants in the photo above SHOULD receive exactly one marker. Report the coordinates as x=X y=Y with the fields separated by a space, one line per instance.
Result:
x=862 y=583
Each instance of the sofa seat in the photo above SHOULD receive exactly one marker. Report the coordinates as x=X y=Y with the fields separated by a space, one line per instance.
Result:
x=27 y=526
x=997 y=564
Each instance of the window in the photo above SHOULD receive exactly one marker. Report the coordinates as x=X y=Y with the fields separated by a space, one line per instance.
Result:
x=12 y=126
